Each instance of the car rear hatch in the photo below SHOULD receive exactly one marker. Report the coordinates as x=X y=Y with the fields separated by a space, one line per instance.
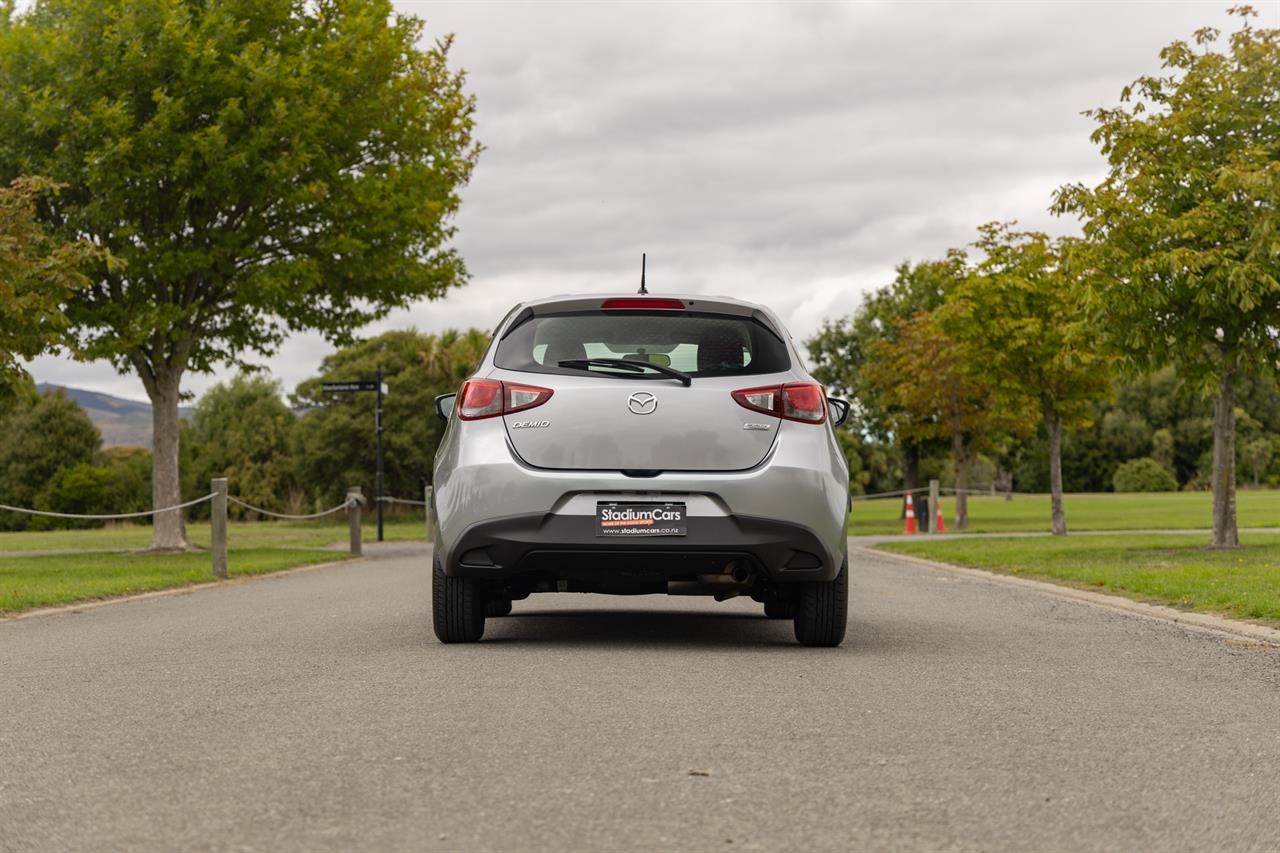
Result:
x=606 y=418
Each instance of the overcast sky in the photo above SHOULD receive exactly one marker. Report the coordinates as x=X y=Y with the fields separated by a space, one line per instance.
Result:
x=789 y=153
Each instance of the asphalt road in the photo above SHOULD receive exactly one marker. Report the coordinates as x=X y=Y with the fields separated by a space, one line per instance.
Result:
x=317 y=712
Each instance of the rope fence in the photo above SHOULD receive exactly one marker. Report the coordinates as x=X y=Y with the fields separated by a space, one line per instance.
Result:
x=345 y=505
x=920 y=508
x=112 y=517
x=220 y=499
x=405 y=501
x=972 y=491
x=355 y=501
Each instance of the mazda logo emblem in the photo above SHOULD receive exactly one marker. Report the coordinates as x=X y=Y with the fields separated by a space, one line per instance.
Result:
x=642 y=403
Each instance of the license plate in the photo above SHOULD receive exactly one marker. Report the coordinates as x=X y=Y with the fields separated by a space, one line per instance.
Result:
x=648 y=519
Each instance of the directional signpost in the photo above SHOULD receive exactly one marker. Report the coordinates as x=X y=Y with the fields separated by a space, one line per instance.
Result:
x=381 y=389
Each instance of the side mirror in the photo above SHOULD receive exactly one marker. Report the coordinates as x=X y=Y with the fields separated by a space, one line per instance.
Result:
x=444 y=406
x=839 y=410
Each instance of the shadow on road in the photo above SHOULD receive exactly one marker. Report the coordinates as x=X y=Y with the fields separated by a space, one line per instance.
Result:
x=639 y=628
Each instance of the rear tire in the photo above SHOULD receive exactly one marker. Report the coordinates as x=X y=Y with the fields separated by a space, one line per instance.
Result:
x=780 y=609
x=822 y=610
x=498 y=607
x=457 y=605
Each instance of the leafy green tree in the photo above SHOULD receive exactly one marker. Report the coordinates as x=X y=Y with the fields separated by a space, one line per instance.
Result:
x=118 y=481
x=1022 y=327
x=23 y=396
x=1184 y=225
x=83 y=488
x=951 y=402
x=842 y=350
x=262 y=167
x=242 y=430
x=41 y=440
x=334 y=445
x=1163 y=402
x=37 y=276
x=1257 y=456
x=1162 y=448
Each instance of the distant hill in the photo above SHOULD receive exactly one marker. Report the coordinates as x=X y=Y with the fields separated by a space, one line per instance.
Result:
x=123 y=423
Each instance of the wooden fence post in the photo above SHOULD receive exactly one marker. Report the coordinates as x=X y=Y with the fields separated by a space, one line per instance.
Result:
x=218 y=525
x=933 y=505
x=355 y=497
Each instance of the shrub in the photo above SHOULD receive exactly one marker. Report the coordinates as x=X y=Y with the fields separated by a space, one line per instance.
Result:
x=42 y=437
x=118 y=481
x=1144 y=475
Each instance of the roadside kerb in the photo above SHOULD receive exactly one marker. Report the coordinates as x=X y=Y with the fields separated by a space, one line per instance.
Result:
x=1199 y=622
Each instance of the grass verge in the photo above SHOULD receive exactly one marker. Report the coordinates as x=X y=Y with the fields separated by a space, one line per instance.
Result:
x=1148 y=511
x=1163 y=568
x=31 y=582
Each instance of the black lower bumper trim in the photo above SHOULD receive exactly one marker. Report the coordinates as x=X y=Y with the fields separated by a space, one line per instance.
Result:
x=567 y=546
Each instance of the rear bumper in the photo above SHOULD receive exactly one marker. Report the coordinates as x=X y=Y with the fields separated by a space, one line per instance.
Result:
x=566 y=546
x=485 y=496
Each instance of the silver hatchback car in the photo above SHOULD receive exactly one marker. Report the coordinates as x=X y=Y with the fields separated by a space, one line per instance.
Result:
x=637 y=444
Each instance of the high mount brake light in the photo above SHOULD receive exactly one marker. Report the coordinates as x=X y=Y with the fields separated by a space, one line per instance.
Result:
x=797 y=402
x=642 y=304
x=487 y=398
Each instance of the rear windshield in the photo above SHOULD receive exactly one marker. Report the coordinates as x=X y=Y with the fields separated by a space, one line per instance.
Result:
x=697 y=344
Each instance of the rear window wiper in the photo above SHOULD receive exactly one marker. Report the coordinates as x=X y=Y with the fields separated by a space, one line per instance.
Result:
x=628 y=364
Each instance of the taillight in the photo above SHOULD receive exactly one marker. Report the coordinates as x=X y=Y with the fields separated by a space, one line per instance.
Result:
x=799 y=402
x=480 y=398
x=629 y=304
x=521 y=397
x=486 y=398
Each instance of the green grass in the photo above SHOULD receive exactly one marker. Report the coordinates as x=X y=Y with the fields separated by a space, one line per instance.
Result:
x=298 y=534
x=1155 y=511
x=29 y=582
x=1165 y=568
x=253 y=548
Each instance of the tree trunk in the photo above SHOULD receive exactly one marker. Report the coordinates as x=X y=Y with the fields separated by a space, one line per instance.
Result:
x=169 y=531
x=910 y=469
x=1225 y=534
x=1053 y=423
x=960 y=459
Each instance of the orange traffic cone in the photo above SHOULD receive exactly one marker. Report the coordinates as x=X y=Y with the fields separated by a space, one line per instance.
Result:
x=941 y=526
x=911 y=516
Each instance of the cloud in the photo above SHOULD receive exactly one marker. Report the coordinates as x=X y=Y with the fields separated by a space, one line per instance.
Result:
x=790 y=153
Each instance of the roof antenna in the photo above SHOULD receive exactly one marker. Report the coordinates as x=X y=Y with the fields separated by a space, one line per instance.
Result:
x=643 y=290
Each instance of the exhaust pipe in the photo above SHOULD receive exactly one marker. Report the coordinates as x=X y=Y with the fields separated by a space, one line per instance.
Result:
x=732 y=581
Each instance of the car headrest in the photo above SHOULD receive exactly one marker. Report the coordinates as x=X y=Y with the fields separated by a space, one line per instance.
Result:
x=720 y=348
x=563 y=350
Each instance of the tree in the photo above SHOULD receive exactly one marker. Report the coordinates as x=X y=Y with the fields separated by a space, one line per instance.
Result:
x=1022 y=327
x=263 y=167
x=842 y=350
x=921 y=377
x=37 y=276
x=1184 y=226
x=42 y=438
x=1257 y=455
x=242 y=430
x=1162 y=448
x=333 y=443
x=117 y=481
